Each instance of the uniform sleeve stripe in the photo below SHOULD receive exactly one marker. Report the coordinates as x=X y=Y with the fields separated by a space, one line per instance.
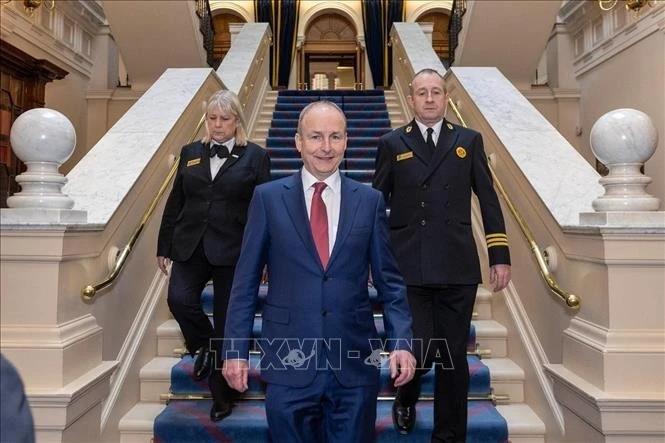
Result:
x=497 y=243
x=497 y=236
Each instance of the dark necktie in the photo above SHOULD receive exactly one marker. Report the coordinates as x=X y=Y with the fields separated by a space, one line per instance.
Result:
x=220 y=151
x=318 y=219
x=430 y=140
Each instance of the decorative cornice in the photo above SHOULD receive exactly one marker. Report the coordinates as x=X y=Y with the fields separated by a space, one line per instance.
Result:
x=46 y=32
x=618 y=40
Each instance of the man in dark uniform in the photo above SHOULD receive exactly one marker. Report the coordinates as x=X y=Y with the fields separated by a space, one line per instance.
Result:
x=426 y=171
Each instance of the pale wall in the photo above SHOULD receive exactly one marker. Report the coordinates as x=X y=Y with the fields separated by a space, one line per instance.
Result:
x=631 y=79
x=69 y=97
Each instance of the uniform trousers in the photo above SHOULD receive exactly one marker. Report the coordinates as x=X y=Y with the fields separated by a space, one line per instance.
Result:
x=441 y=322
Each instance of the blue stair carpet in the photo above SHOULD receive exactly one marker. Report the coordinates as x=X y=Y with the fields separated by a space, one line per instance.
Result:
x=367 y=118
x=186 y=421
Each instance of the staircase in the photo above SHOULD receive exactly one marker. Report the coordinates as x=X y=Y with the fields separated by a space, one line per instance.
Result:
x=494 y=377
x=367 y=120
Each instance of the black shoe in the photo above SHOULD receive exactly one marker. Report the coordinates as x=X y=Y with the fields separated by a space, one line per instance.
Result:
x=220 y=411
x=203 y=363
x=404 y=417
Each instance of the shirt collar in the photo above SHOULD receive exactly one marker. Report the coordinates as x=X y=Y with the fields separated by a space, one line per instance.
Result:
x=229 y=144
x=334 y=181
x=436 y=126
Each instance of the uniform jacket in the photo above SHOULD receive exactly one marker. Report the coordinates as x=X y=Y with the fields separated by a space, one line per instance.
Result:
x=429 y=196
x=214 y=210
x=307 y=304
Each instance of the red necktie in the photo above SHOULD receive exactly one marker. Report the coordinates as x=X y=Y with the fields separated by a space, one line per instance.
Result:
x=318 y=219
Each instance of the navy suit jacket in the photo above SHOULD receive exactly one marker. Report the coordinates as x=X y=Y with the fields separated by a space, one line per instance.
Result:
x=16 y=425
x=212 y=209
x=307 y=304
x=430 y=204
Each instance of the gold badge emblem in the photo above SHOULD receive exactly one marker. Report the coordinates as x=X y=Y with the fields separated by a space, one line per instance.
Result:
x=450 y=126
x=408 y=129
x=404 y=156
x=193 y=162
x=461 y=152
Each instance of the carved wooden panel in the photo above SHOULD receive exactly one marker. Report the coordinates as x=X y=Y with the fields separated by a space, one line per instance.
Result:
x=330 y=27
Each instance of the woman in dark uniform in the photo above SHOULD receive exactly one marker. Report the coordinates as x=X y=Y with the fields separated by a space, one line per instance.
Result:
x=201 y=232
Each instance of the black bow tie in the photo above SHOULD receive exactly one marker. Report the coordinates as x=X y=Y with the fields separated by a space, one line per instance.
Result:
x=220 y=151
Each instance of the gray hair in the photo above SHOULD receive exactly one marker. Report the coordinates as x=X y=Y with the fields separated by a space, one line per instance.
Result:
x=228 y=102
x=318 y=104
x=429 y=71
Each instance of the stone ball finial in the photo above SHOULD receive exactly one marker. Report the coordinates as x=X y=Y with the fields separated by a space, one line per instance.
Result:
x=624 y=139
x=43 y=135
x=43 y=139
x=624 y=136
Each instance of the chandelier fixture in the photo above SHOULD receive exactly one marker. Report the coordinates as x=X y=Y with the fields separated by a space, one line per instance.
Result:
x=31 y=5
x=632 y=5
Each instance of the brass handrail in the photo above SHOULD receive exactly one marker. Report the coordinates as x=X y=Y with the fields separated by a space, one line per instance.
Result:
x=88 y=293
x=571 y=300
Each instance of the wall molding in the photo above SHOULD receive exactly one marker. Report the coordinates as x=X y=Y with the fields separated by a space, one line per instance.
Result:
x=528 y=336
x=133 y=341
x=28 y=337
x=620 y=415
x=620 y=341
x=55 y=410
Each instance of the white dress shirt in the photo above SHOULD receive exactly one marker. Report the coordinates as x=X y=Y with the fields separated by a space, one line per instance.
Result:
x=216 y=162
x=332 y=198
x=436 y=128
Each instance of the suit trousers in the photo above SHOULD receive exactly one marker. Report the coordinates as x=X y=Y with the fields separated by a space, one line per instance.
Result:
x=188 y=279
x=441 y=322
x=324 y=411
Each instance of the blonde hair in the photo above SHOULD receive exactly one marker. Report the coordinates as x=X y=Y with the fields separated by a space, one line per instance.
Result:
x=227 y=102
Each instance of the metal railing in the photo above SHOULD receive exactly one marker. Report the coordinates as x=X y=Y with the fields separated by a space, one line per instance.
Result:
x=207 y=29
x=90 y=291
x=571 y=300
x=455 y=27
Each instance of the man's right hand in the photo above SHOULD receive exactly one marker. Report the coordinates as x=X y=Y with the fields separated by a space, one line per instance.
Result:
x=235 y=372
x=163 y=263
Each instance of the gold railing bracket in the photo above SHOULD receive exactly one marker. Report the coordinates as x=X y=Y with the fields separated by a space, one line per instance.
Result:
x=551 y=258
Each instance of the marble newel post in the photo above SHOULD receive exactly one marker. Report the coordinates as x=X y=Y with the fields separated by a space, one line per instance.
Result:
x=45 y=330
x=624 y=139
x=43 y=139
x=611 y=380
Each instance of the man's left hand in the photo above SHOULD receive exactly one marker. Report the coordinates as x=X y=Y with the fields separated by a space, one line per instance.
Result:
x=402 y=367
x=500 y=276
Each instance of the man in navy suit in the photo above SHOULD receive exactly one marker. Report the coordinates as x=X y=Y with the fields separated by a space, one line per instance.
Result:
x=319 y=233
x=15 y=417
x=427 y=171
